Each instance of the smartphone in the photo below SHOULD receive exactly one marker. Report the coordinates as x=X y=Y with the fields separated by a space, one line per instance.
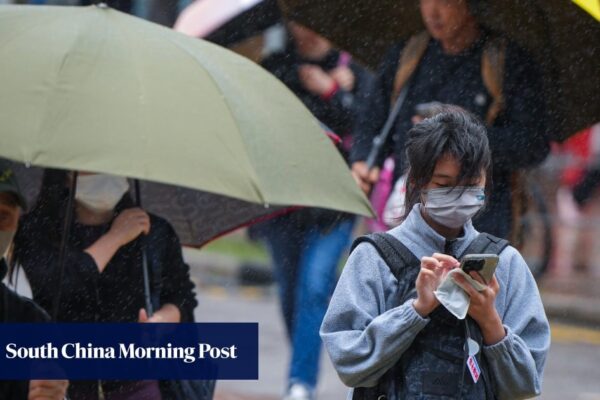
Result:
x=428 y=110
x=484 y=264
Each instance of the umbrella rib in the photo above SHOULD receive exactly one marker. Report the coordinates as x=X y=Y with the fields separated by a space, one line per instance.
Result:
x=141 y=88
x=255 y=184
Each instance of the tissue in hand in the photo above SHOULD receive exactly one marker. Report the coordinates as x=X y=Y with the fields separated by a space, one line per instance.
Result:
x=453 y=297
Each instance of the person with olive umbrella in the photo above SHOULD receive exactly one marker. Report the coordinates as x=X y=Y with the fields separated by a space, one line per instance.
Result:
x=14 y=308
x=103 y=278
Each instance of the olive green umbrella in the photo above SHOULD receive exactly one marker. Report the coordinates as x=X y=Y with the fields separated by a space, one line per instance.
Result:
x=214 y=139
x=93 y=89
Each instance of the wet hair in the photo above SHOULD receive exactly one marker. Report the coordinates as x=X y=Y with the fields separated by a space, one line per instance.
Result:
x=454 y=132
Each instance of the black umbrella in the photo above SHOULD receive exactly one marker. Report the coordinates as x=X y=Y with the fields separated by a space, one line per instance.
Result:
x=247 y=24
x=197 y=216
x=563 y=39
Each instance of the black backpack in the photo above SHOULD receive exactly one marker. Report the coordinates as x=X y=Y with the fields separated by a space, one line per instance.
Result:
x=435 y=363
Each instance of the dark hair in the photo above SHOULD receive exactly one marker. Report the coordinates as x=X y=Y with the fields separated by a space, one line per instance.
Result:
x=454 y=132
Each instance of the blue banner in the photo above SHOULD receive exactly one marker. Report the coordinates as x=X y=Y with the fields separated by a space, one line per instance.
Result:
x=129 y=351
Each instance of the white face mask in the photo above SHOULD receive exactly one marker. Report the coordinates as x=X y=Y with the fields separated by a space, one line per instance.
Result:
x=6 y=238
x=453 y=207
x=100 y=192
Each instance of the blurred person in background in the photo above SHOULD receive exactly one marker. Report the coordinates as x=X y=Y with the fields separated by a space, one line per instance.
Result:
x=306 y=245
x=458 y=61
x=103 y=278
x=577 y=203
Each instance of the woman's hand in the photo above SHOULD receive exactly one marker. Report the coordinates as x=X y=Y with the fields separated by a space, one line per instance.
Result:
x=433 y=271
x=167 y=313
x=344 y=77
x=483 y=307
x=365 y=177
x=129 y=224
x=47 y=389
x=315 y=80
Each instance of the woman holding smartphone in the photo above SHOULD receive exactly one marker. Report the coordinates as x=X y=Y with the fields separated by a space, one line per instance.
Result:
x=389 y=331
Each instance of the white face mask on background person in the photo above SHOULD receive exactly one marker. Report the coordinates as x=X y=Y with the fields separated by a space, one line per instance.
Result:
x=6 y=238
x=452 y=208
x=100 y=192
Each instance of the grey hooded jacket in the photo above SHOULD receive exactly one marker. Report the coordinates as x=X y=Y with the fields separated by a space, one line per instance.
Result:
x=366 y=329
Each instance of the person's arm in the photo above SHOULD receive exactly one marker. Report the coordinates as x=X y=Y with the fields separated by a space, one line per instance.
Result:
x=364 y=334
x=39 y=259
x=373 y=106
x=326 y=98
x=519 y=137
x=340 y=106
x=353 y=81
x=82 y=268
x=517 y=361
x=177 y=289
x=126 y=227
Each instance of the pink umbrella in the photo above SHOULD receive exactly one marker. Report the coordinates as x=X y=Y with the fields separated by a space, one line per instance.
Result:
x=204 y=16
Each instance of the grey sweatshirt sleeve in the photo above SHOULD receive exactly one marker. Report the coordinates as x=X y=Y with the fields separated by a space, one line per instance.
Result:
x=517 y=362
x=364 y=330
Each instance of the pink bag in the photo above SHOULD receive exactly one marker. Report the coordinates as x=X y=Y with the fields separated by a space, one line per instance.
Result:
x=380 y=195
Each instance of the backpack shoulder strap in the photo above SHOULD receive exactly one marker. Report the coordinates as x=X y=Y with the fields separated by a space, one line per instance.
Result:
x=492 y=72
x=486 y=243
x=395 y=254
x=410 y=57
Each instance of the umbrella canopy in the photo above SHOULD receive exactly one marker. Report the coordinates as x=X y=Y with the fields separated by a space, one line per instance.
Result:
x=236 y=24
x=197 y=216
x=97 y=90
x=204 y=16
x=591 y=6
x=561 y=36
x=250 y=23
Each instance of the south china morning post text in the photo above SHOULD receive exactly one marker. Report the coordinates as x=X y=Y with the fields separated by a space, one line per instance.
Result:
x=129 y=351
